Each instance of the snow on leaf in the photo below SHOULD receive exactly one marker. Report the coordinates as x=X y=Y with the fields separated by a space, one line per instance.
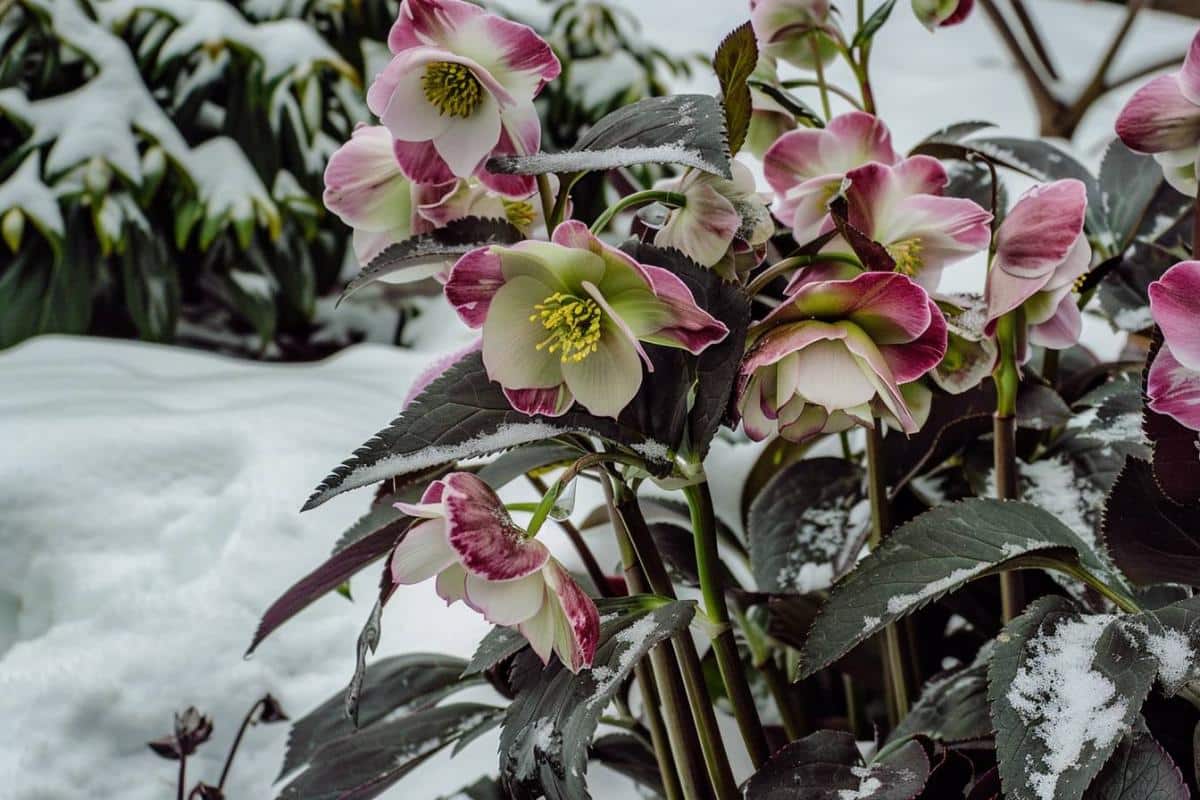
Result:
x=24 y=190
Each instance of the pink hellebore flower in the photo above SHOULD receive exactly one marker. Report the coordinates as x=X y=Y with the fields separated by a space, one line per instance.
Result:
x=805 y=167
x=934 y=14
x=1041 y=250
x=564 y=320
x=1173 y=384
x=1163 y=118
x=459 y=89
x=365 y=187
x=785 y=30
x=716 y=212
x=469 y=198
x=839 y=353
x=479 y=555
x=901 y=208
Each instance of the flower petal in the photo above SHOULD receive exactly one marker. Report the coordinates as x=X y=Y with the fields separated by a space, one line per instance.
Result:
x=551 y=402
x=578 y=632
x=1174 y=389
x=830 y=376
x=1159 y=117
x=510 y=338
x=465 y=144
x=506 y=602
x=1061 y=330
x=420 y=162
x=488 y=543
x=451 y=584
x=704 y=229
x=474 y=280
x=686 y=324
x=606 y=380
x=1041 y=229
x=520 y=134
x=364 y=185
x=799 y=422
x=424 y=22
x=398 y=98
x=422 y=553
x=540 y=628
x=910 y=360
x=1175 y=306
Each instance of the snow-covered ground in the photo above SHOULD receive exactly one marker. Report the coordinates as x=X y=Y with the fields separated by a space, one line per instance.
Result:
x=149 y=495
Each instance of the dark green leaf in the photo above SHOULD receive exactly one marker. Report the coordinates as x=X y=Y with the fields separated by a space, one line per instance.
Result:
x=1139 y=770
x=734 y=63
x=462 y=414
x=800 y=525
x=498 y=644
x=874 y=22
x=794 y=105
x=414 y=680
x=952 y=707
x=1128 y=183
x=482 y=789
x=629 y=755
x=1064 y=687
x=549 y=726
x=1040 y=408
x=365 y=764
x=933 y=554
x=685 y=129
x=955 y=421
x=1152 y=539
x=955 y=133
x=826 y=765
x=441 y=246
x=514 y=463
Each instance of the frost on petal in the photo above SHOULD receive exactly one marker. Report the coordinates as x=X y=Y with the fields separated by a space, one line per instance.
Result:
x=1174 y=389
x=479 y=529
x=1175 y=306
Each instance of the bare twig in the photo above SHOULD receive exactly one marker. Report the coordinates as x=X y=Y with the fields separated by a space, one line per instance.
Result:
x=1035 y=37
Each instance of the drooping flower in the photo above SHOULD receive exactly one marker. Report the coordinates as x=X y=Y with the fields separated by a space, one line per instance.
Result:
x=790 y=30
x=934 y=14
x=970 y=353
x=467 y=539
x=716 y=212
x=565 y=320
x=805 y=168
x=1163 y=118
x=1173 y=383
x=839 y=353
x=901 y=208
x=1041 y=251
x=365 y=187
x=459 y=89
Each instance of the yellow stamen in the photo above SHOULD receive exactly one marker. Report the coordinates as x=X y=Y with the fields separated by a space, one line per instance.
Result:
x=452 y=88
x=574 y=326
x=907 y=255
x=519 y=213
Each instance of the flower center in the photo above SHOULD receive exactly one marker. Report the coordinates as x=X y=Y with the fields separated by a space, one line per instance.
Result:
x=574 y=326
x=452 y=88
x=907 y=255
x=519 y=213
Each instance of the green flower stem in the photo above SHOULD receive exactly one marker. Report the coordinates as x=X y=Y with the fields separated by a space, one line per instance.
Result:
x=550 y=496
x=566 y=182
x=590 y=564
x=1004 y=445
x=677 y=748
x=794 y=723
x=704 y=530
x=762 y=279
x=547 y=197
x=638 y=198
x=799 y=83
x=819 y=66
x=685 y=650
x=881 y=525
x=854 y=708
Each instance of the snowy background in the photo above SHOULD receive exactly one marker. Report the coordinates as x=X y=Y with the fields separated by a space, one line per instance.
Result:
x=149 y=495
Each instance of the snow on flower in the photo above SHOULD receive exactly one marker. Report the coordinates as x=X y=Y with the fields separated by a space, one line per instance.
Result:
x=934 y=14
x=901 y=208
x=1173 y=383
x=839 y=353
x=460 y=89
x=565 y=320
x=716 y=212
x=1041 y=251
x=466 y=538
x=1163 y=118
x=805 y=168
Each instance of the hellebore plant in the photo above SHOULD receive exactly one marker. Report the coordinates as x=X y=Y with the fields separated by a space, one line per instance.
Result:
x=459 y=89
x=481 y=557
x=1173 y=384
x=1163 y=119
x=565 y=320
x=837 y=354
x=618 y=362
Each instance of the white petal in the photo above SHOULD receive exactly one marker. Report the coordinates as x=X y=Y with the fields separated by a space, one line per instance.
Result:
x=422 y=553
x=506 y=602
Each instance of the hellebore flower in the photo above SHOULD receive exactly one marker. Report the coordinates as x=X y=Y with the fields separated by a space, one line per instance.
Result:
x=934 y=14
x=970 y=353
x=901 y=208
x=785 y=30
x=1041 y=250
x=1173 y=384
x=459 y=89
x=365 y=187
x=716 y=212
x=469 y=198
x=480 y=556
x=564 y=320
x=769 y=119
x=839 y=353
x=805 y=167
x=1163 y=118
